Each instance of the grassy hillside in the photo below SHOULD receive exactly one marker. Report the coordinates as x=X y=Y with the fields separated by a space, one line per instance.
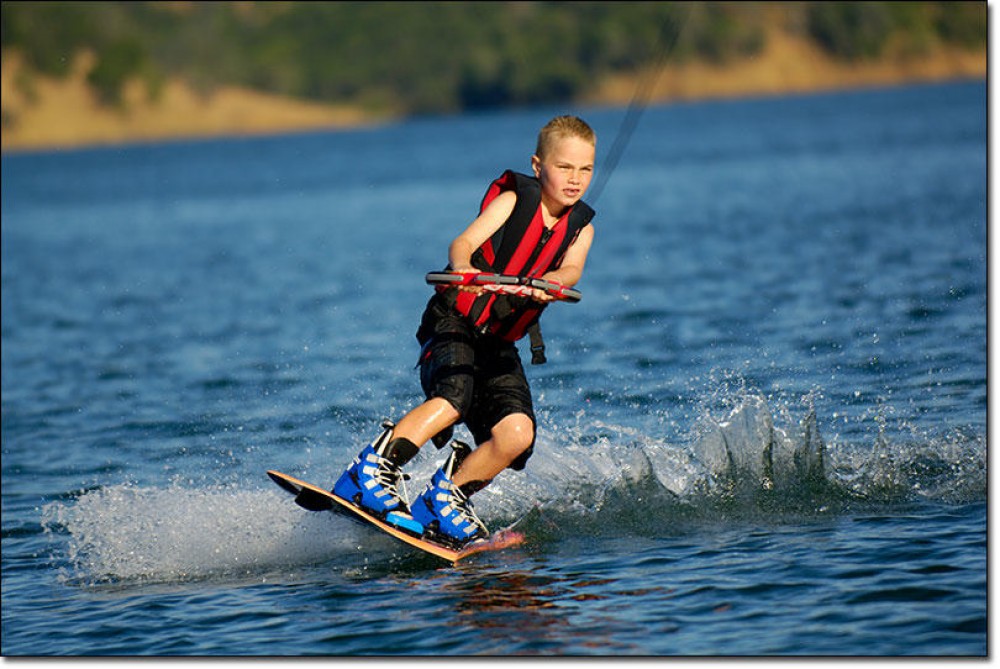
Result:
x=91 y=72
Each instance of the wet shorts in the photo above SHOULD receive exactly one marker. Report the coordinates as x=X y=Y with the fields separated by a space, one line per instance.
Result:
x=479 y=374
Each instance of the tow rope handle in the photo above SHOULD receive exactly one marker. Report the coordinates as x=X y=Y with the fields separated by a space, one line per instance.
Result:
x=504 y=283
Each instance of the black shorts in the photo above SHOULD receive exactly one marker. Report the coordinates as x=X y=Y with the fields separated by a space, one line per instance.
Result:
x=479 y=374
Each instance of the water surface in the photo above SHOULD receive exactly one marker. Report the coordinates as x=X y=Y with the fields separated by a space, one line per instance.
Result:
x=762 y=430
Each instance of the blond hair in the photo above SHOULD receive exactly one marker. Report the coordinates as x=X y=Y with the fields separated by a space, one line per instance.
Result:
x=561 y=127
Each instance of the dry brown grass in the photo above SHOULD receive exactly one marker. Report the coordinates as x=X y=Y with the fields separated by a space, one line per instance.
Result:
x=65 y=113
x=792 y=65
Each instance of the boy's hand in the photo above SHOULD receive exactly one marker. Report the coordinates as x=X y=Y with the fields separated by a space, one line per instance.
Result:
x=470 y=288
x=541 y=296
x=544 y=297
x=541 y=290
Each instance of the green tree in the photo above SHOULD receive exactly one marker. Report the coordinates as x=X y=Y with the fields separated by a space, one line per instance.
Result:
x=850 y=30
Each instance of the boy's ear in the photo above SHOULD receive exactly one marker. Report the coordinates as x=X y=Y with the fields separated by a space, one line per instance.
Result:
x=536 y=165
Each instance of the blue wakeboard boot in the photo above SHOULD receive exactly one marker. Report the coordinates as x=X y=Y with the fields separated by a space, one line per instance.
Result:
x=373 y=481
x=444 y=509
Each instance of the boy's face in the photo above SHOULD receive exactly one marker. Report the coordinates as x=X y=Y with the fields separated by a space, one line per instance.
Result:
x=565 y=171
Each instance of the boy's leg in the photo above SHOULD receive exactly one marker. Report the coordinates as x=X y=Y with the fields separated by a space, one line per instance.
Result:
x=373 y=478
x=446 y=367
x=510 y=438
x=444 y=507
x=501 y=420
x=426 y=420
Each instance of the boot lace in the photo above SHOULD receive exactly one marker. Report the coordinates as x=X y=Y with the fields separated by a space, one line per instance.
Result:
x=390 y=477
x=463 y=505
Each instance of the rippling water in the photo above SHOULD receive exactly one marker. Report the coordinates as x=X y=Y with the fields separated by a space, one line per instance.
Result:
x=762 y=430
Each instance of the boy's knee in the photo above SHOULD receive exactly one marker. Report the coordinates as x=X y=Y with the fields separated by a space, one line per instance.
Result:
x=515 y=434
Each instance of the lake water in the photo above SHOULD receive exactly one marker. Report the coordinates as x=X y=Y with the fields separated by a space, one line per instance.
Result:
x=762 y=431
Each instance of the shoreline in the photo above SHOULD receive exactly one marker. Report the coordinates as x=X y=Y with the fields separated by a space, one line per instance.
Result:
x=65 y=114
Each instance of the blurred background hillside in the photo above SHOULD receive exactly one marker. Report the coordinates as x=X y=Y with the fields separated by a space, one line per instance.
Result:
x=80 y=73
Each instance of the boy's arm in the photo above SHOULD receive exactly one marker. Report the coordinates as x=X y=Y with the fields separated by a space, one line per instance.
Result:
x=496 y=213
x=571 y=269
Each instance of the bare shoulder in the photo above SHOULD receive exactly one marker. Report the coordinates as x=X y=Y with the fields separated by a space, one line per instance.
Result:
x=496 y=212
x=490 y=220
x=502 y=204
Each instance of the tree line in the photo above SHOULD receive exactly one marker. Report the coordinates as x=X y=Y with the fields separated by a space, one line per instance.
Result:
x=443 y=57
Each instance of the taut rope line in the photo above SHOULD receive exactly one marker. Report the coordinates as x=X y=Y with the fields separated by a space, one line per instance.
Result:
x=640 y=100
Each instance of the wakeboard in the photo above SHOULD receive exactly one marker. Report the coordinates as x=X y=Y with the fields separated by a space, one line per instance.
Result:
x=313 y=498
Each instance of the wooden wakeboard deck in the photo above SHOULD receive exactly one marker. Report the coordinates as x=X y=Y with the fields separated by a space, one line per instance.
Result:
x=314 y=498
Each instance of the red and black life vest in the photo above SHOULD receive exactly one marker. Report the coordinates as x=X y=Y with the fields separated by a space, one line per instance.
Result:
x=522 y=246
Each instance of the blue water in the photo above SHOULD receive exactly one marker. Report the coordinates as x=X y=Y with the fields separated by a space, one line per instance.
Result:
x=762 y=430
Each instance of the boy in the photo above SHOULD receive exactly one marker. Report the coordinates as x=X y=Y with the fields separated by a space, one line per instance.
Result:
x=470 y=369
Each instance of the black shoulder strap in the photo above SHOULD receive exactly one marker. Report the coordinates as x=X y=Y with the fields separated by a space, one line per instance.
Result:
x=529 y=196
